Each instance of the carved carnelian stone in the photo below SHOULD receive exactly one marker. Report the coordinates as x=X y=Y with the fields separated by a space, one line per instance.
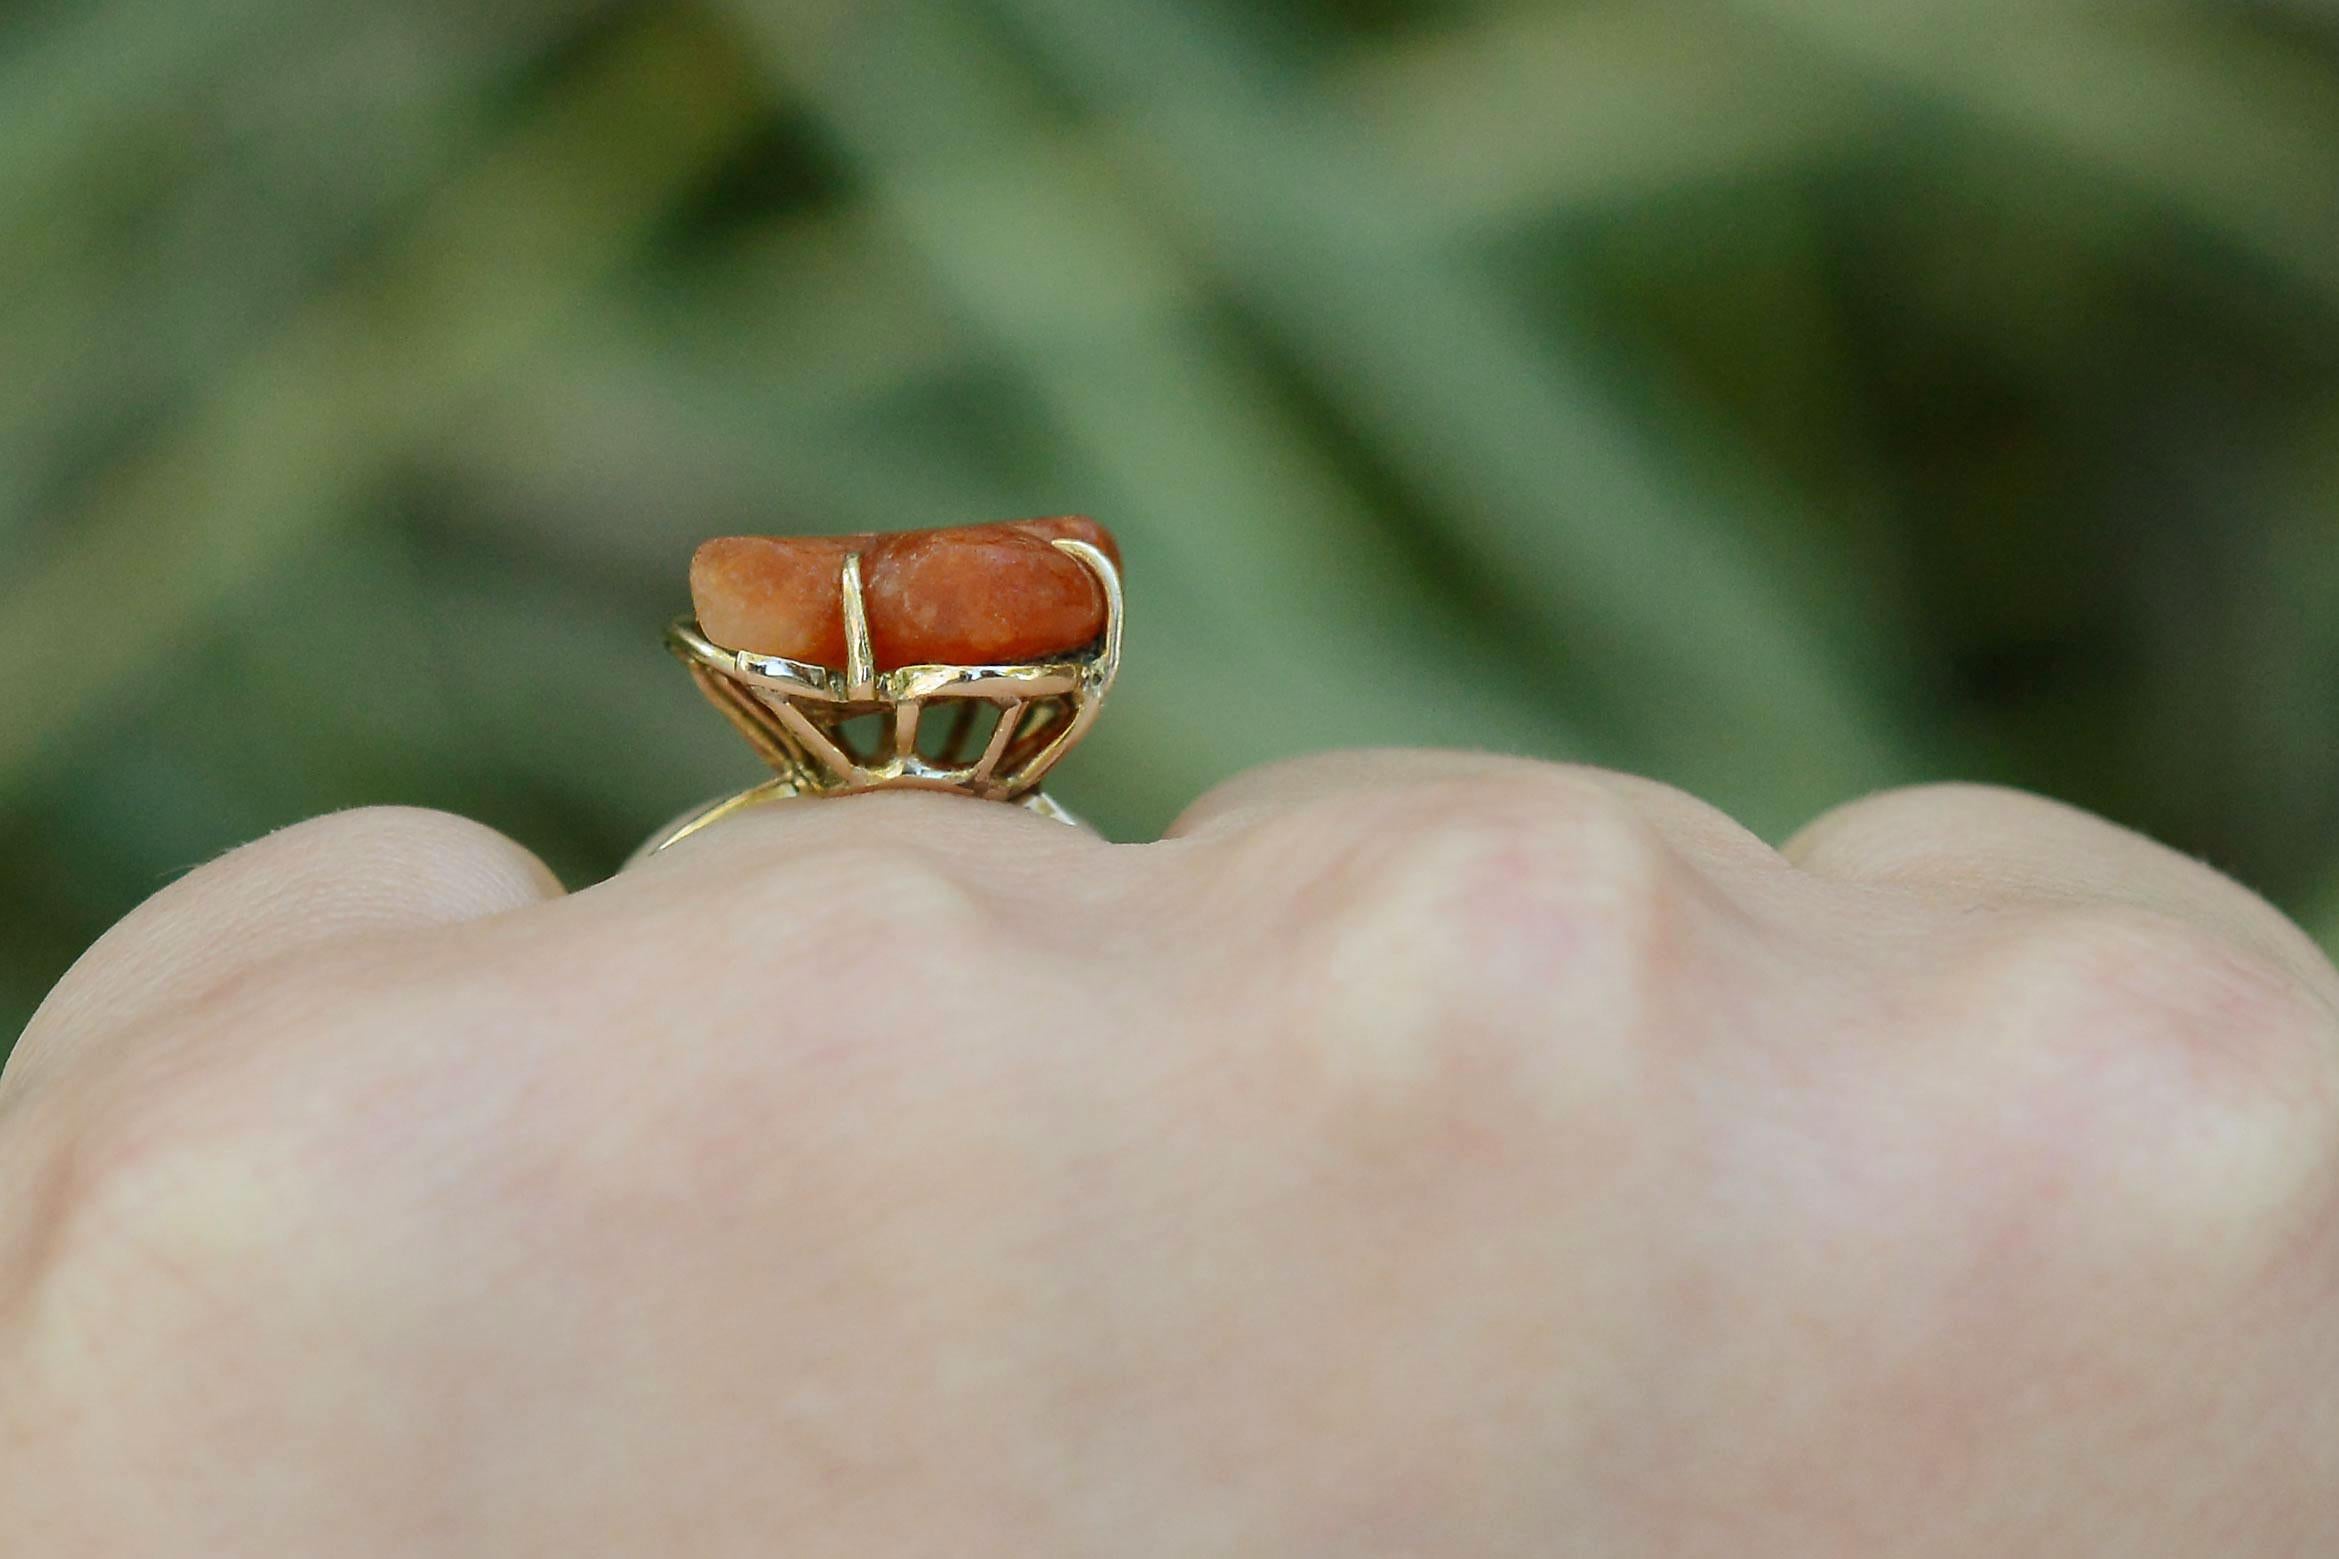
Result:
x=975 y=595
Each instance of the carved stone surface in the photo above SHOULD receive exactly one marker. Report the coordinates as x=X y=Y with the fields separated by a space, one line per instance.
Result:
x=971 y=595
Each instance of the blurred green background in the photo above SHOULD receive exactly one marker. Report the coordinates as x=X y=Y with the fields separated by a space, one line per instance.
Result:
x=1783 y=397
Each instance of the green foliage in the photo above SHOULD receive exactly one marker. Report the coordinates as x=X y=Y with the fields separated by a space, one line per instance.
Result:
x=1783 y=397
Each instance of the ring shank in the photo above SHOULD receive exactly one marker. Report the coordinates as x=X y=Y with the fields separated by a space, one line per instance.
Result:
x=771 y=792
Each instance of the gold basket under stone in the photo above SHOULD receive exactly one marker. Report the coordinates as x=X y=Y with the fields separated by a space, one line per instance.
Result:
x=992 y=732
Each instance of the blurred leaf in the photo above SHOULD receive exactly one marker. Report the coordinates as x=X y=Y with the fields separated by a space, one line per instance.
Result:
x=297 y=426
x=1523 y=111
x=199 y=230
x=1497 y=417
x=62 y=90
x=2208 y=117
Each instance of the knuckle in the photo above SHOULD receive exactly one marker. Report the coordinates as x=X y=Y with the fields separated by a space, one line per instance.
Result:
x=1916 y=830
x=395 y=825
x=847 y=894
x=2194 y=1080
x=1484 y=858
x=2135 y=975
x=412 y=842
x=150 y=1206
x=272 y=1005
x=239 y=1145
x=1490 y=932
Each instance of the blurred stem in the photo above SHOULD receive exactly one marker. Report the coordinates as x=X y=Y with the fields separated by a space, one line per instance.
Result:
x=62 y=90
x=1727 y=675
x=232 y=238
x=313 y=415
x=1510 y=116
x=2208 y=121
x=1498 y=122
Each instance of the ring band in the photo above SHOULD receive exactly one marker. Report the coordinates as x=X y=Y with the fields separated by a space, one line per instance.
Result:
x=773 y=791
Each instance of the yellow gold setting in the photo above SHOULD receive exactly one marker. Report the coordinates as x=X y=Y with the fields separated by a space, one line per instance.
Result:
x=841 y=731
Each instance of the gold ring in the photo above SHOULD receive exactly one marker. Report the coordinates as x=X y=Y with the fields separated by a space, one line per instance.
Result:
x=992 y=732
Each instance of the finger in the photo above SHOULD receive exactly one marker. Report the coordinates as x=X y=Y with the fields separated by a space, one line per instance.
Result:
x=1689 y=825
x=320 y=882
x=1984 y=846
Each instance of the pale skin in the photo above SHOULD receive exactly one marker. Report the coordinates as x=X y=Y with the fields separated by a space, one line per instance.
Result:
x=1412 y=1155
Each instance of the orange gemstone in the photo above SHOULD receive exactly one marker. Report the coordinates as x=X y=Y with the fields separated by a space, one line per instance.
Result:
x=975 y=595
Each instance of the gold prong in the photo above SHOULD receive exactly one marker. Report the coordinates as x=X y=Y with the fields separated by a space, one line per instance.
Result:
x=905 y=728
x=1010 y=719
x=750 y=717
x=820 y=744
x=860 y=654
x=1108 y=578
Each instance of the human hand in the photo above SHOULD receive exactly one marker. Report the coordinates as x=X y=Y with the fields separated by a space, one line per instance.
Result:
x=1415 y=1154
